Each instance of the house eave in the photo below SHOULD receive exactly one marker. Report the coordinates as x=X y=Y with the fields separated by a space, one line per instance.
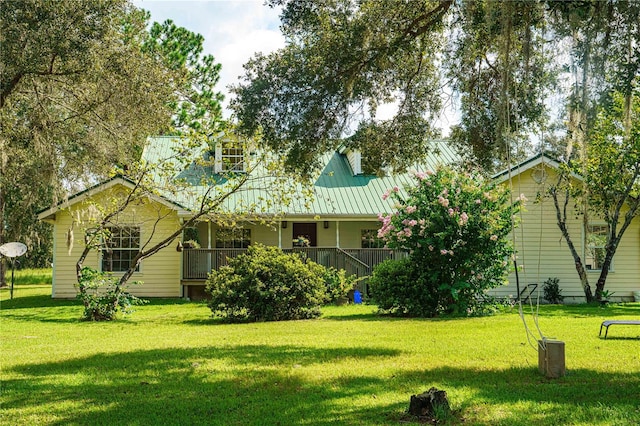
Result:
x=528 y=164
x=49 y=215
x=311 y=217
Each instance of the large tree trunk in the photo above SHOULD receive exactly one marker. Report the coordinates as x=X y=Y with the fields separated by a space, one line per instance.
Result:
x=614 y=238
x=3 y=263
x=561 y=215
x=604 y=272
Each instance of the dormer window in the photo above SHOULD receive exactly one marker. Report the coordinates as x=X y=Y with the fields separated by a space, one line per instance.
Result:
x=229 y=157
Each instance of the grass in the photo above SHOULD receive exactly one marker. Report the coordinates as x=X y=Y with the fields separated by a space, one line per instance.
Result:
x=169 y=363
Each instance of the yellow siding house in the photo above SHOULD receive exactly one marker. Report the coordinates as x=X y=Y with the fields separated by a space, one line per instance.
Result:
x=338 y=228
x=542 y=252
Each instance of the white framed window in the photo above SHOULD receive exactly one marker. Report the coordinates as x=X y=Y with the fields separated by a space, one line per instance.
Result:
x=120 y=248
x=369 y=239
x=595 y=247
x=233 y=238
x=229 y=157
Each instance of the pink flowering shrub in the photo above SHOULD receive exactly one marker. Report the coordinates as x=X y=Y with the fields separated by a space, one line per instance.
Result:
x=455 y=227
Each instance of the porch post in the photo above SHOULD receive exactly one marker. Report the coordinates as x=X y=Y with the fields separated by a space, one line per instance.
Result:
x=280 y=234
x=337 y=233
x=209 y=245
x=183 y=293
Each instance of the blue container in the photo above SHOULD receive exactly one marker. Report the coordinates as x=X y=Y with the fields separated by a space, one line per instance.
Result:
x=357 y=297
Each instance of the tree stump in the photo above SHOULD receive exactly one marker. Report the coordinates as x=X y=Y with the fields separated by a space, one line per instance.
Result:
x=429 y=403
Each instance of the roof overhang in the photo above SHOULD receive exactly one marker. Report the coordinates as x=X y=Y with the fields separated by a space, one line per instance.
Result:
x=48 y=215
x=539 y=160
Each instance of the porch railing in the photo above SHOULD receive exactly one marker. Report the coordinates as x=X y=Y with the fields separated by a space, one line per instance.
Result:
x=197 y=263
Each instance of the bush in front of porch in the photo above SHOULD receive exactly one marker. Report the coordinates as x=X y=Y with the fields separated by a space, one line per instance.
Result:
x=265 y=284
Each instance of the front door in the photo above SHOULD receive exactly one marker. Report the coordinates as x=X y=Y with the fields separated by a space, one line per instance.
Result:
x=307 y=230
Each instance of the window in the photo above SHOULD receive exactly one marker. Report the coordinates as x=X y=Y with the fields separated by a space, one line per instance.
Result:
x=233 y=238
x=229 y=157
x=120 y=248
x=370 y=239
x=232 y=159
x=596 y=241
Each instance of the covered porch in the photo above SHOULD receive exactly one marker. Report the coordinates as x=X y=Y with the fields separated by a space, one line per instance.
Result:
x=197 y=263
x=346 y=242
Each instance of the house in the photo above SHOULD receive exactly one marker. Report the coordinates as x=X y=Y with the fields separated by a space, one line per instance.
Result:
x=542 y=252
x=339 y=228
x=340 y=223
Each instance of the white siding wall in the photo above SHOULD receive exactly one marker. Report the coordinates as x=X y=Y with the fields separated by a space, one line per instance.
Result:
x=265 y=235
x=351 y=232
x=355 y=161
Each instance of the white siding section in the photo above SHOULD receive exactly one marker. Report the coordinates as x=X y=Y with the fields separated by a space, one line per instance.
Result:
x=351 y=232
x=355 y=161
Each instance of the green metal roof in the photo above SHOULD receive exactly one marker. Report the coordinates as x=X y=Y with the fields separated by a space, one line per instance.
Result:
x=338 y=193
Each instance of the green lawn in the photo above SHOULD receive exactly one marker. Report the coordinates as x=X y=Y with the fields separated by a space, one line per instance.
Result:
x=170 y=364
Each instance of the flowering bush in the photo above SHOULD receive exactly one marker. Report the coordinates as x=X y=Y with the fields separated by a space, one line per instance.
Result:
x=455 y=227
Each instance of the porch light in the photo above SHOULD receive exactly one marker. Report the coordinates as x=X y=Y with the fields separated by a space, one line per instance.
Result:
x=284 y=224
x=326 y=224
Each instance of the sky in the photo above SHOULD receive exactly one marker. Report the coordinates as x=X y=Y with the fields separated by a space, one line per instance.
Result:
x=233 y=30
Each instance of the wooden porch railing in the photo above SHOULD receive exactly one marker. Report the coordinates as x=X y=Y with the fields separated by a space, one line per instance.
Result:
x=197 y=263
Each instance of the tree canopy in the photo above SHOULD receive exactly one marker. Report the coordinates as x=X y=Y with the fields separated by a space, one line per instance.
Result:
x=525 y=76
x=83 y=85
x=504 y=61
x=344 y=58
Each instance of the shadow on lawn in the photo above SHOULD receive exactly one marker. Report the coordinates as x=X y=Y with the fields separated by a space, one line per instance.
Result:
x=265 y=385
x=592 y=310
x=37 y=301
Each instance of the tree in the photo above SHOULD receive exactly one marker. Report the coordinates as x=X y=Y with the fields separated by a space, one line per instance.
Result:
x=611 y=189
x=505 y=61
x=77 y=96
x=185 y=170
x=498 y=66
x=196 y=105
x=605 y=65
x=344 y=57
x=456 y=229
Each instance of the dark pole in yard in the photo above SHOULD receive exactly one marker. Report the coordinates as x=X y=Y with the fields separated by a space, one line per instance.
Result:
x=12 y=250
x=13 y=264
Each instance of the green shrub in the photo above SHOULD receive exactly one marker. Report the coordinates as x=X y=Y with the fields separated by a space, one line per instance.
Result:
x=265 y=284
x=397 y=289
x=338 y=283
x=552 y=291
x=455 y=227
x=102 y=297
